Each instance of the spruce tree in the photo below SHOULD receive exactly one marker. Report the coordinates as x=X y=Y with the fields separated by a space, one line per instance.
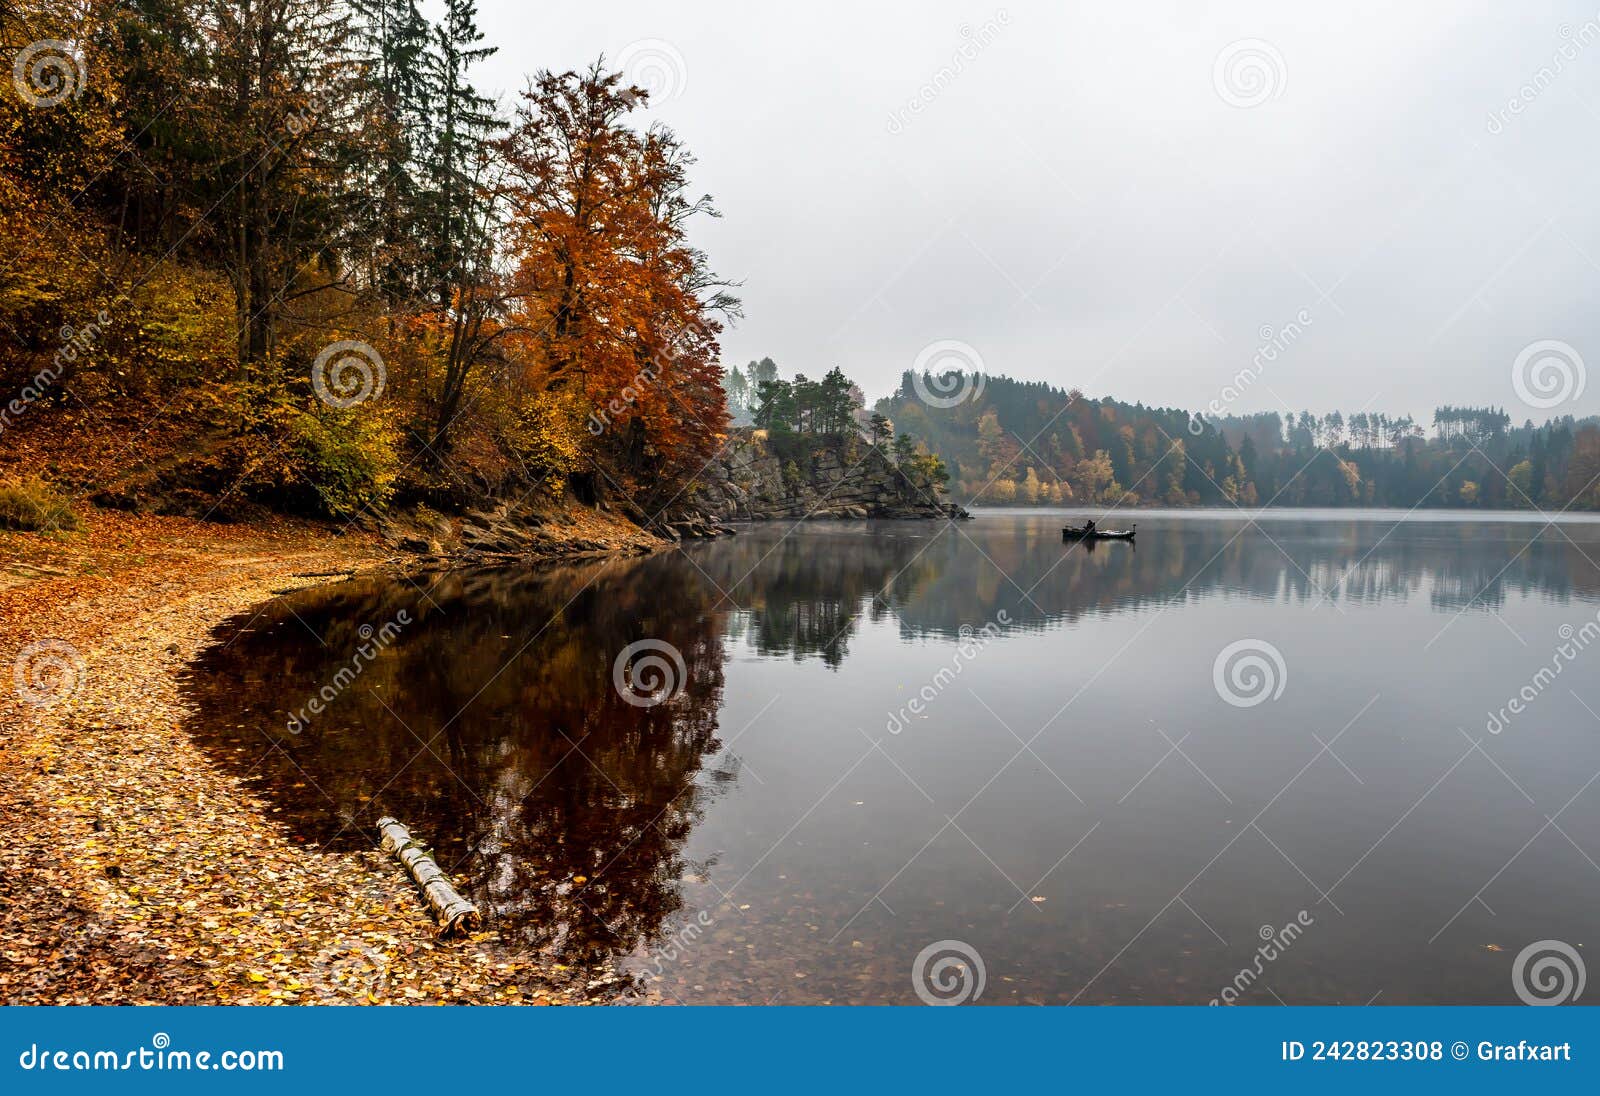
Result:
x=464 y=121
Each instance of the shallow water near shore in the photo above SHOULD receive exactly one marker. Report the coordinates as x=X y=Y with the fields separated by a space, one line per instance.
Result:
x=1113 y=774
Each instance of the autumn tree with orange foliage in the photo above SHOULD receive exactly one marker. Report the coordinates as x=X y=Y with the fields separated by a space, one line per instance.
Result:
x=612 y=302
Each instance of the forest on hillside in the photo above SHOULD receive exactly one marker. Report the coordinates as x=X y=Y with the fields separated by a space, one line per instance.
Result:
x=291 y=255
x=1027 y=442
x=292 y=252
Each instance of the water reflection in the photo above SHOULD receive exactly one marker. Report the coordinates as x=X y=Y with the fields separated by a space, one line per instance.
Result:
x=805 y=593
x=1342 y=561
x=491 y=724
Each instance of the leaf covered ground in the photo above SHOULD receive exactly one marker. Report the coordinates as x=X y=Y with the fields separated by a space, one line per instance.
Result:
x=133 y=870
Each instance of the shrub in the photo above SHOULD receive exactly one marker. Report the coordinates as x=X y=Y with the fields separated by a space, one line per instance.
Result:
x=792 y=448
x=349 y=458
x=313 y=460
x=34 y=505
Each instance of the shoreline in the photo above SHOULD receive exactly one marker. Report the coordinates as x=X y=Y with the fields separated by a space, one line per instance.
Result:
x=137 y=870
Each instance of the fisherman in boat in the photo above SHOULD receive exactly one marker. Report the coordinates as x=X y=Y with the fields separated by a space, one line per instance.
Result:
x=1088 y=527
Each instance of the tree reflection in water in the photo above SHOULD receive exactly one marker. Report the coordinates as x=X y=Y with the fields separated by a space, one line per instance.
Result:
x=491 y=727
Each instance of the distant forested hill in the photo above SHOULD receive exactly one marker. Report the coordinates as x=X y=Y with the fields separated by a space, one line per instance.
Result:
x=1020 y=442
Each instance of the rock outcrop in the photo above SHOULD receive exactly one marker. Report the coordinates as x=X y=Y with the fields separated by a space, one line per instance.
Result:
x=751 y=481
x=848 y=478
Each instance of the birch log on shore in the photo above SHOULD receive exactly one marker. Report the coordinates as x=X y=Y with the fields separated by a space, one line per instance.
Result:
x=453 y=913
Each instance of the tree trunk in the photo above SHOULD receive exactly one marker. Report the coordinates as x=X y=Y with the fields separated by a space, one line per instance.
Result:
x=453 y=912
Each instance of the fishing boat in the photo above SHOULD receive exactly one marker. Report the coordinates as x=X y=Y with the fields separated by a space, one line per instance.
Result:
x=1078 y=532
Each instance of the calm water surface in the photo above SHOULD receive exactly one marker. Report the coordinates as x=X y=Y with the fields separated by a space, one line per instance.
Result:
x=1088 y=802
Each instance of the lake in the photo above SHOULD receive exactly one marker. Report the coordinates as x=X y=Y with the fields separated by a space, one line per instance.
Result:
x=1324 y=757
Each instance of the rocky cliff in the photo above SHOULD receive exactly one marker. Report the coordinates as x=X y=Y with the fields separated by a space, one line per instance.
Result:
x=753 y=480
x=847 y=478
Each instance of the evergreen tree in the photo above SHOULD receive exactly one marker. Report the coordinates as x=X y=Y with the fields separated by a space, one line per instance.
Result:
x=456 y=212
x=399 y=43
x=882 y=429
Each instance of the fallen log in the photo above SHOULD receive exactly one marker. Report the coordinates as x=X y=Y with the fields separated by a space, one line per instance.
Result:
x=453 y=913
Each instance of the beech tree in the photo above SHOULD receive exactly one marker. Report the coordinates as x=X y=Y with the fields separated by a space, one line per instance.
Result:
x=611 y=299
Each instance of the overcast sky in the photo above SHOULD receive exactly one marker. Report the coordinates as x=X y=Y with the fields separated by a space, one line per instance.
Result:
x=1124 y=196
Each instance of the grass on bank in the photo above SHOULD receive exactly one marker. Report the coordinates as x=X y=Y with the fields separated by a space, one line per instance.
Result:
x=33 y=505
